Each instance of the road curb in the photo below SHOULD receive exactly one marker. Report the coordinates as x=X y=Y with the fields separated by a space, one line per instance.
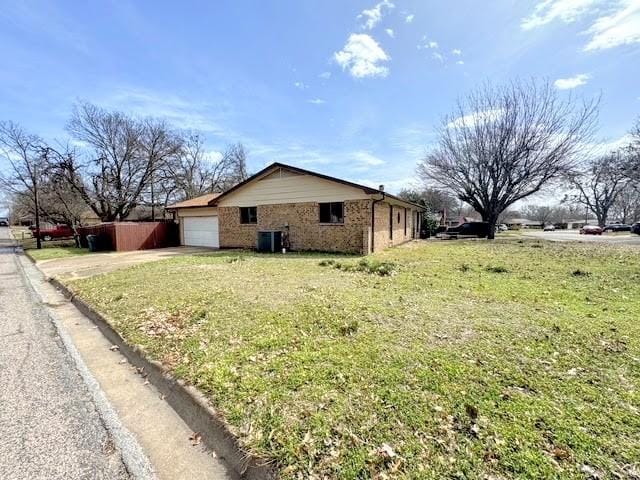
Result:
x=189 y=403
x=133 y=458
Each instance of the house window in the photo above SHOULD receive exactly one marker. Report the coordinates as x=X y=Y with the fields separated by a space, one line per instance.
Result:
x=332 y=212
x=248 y=215
x=391 y=222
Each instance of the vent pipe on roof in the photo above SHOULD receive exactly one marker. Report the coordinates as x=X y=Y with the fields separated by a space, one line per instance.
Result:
x=381 y=188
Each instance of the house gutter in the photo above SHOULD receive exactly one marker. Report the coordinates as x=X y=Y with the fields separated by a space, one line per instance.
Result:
x=373 y=218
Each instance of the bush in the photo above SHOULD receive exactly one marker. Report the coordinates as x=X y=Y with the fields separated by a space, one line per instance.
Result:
x=375 y=267
x=580 y=273
x=497 y=269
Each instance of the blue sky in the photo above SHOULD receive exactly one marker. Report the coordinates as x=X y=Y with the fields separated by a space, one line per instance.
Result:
x=350 y=88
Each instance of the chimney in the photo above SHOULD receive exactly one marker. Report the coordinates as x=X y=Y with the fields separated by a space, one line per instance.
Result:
x=381 y=188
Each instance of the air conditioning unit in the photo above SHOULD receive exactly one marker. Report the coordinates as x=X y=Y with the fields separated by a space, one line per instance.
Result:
x=270 y=241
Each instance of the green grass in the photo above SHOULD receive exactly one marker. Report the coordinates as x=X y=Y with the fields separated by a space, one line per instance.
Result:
x=50 y=251
x=470 y=360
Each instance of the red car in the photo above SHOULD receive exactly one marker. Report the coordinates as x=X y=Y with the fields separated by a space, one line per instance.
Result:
x=591 y=230
x=59 y=231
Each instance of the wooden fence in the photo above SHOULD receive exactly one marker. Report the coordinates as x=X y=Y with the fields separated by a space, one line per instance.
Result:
x=128 y=236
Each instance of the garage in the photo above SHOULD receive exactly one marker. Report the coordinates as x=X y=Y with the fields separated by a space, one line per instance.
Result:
x=200 y=231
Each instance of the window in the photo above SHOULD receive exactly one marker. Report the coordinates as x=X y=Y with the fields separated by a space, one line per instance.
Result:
x=391 y=222
x=248 y=215
x=332 y=212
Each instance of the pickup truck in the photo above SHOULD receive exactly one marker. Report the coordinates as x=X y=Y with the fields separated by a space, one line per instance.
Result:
x=467 y=230
x=59 y=231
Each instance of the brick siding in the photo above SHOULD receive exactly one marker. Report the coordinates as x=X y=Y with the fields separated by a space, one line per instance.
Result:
x=305 y=230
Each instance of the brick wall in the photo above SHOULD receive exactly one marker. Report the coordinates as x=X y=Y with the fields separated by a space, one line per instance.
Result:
x=305 y=230
x=382 y=237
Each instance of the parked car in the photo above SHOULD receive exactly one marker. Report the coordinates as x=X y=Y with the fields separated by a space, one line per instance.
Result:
x=468 y=229
x=617 y=227
x=549 y=228
x=635 y=228
x=502 y=228
x=4 y=222
x=59 y=231
x=591 y=230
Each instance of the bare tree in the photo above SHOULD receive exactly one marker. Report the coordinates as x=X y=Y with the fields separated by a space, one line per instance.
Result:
x=600 y=183
x=23 y=153
x=503 y=144
x=539 y=213
x=195 y=171
x=160 y=146
x=235 y=158
x=434 y=199
x=626 y=207
x=113 y=179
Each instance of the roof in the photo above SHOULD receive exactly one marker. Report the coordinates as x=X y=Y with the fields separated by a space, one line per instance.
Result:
x=201 y=201
x=366 y=189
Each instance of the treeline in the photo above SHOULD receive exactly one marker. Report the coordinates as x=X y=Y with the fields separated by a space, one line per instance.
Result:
x=502 y=144
x=111 y=164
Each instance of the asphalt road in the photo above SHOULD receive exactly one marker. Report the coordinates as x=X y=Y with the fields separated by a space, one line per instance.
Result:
x=574 y=236
x=49 y=425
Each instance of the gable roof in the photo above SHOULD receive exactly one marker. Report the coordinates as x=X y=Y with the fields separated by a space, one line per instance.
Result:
x=275 y=165
x=201 y=201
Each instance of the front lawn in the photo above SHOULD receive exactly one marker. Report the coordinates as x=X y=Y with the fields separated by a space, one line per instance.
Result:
x=50 y=251
x=513 y=359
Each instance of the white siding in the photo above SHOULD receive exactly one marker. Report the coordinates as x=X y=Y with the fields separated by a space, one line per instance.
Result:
x=290 y=189
x=197 y=212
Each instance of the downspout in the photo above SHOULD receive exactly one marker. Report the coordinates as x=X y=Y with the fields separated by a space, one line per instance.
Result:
x=373 y=217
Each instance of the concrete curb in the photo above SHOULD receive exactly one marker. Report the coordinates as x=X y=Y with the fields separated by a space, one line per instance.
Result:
x=191 y=405
x=132 y=455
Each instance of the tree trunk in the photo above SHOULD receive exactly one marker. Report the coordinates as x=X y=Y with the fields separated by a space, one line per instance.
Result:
x=492 y=220
x=37 y=212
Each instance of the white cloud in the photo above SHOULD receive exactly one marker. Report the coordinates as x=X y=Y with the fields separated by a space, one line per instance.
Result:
x=409 y=18
x=390 y=32
x=428 y=44
x=373 y=15
x=316 y=101
x=365 y=159
x=620 y=28
x=547 y=11
x=571 y=82
x=613 y=23
x=325 y=75
x=362 y=57
x=299 y=85
x=460 y=62
x=437 y=56
x=456 y=51
x=472 y=119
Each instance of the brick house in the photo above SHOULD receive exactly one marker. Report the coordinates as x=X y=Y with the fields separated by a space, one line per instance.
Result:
x=310 y=211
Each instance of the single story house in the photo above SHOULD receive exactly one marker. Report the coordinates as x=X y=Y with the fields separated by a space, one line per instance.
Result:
x=311 y=211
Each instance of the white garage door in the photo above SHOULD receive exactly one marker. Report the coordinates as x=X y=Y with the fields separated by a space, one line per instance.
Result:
x=201 y=231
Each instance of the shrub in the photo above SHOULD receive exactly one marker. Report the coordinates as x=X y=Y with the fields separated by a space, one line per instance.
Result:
x=497 y=269
x=374 y=267
x=580 y=273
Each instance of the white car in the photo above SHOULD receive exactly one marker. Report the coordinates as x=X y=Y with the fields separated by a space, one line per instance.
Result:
x=502 y=228
x=549 y=228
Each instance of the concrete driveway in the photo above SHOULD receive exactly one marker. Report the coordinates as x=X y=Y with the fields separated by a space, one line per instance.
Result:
x=84 y=266
x=574 y=236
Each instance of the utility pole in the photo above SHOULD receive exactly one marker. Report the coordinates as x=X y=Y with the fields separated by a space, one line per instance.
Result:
x=36 y=205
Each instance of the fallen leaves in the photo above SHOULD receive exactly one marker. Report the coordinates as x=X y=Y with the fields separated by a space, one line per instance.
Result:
x=195 y=438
